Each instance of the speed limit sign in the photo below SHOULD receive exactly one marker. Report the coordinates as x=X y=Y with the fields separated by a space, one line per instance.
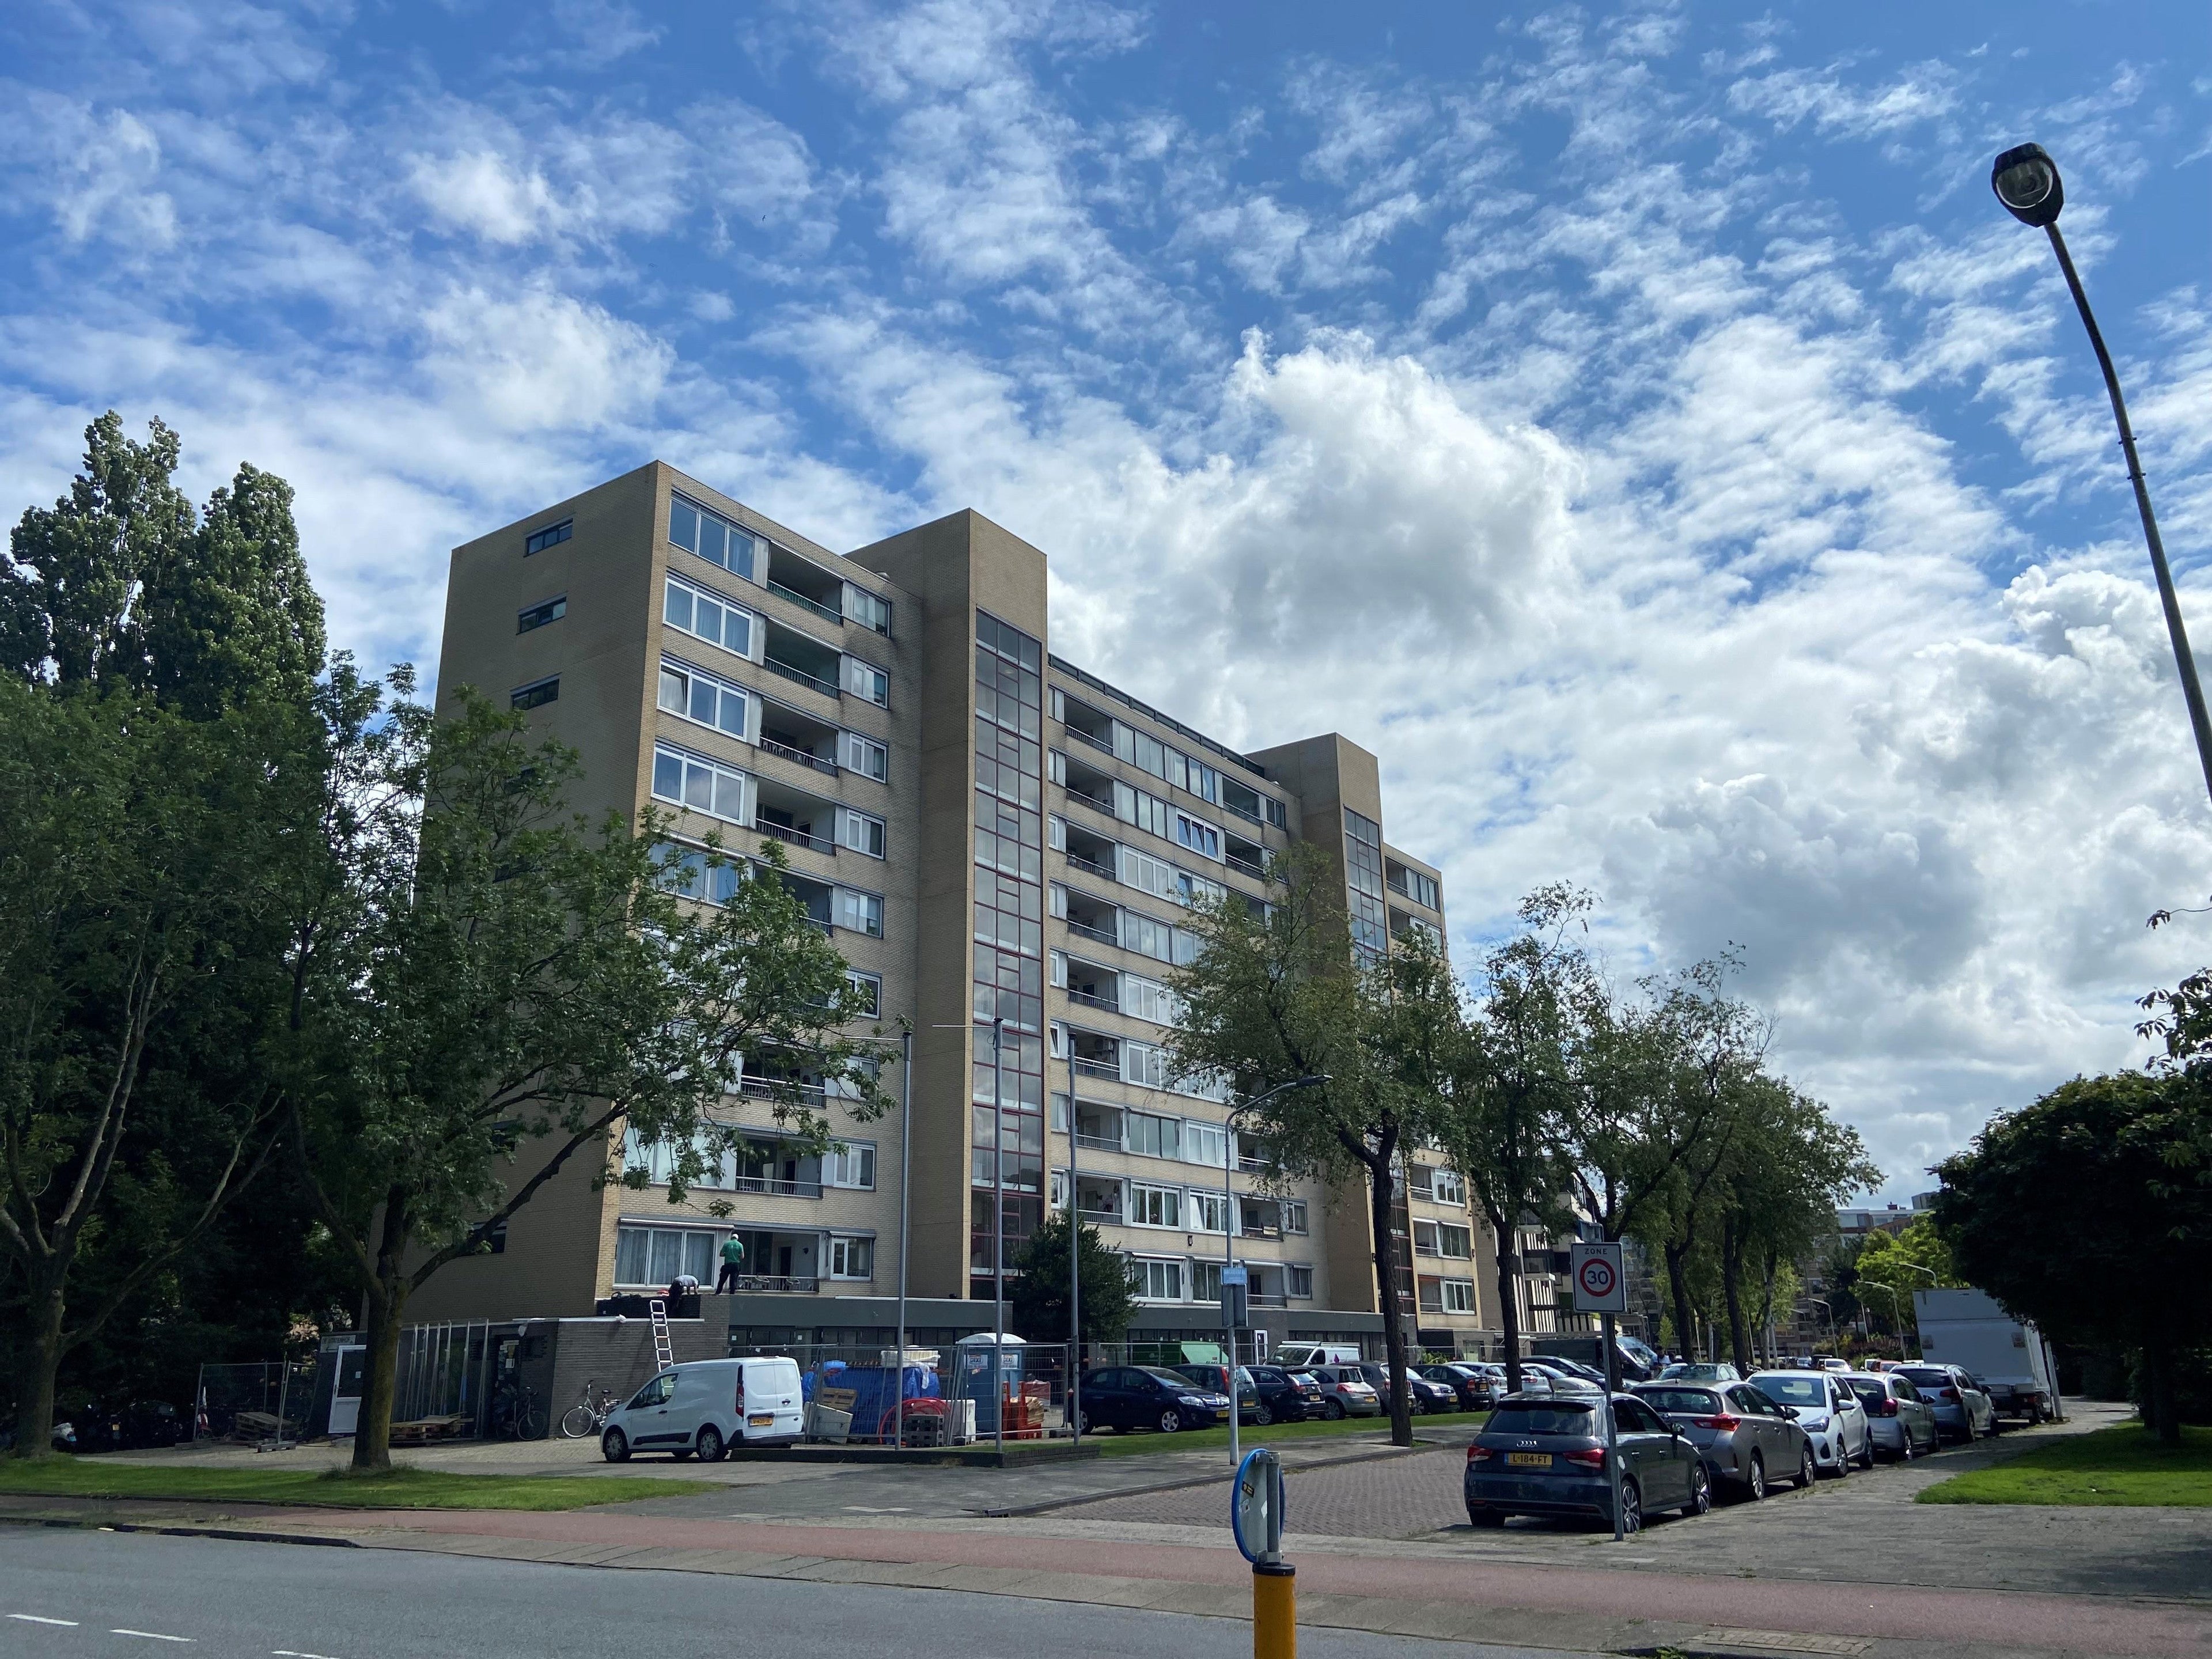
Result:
x=1600 y=1284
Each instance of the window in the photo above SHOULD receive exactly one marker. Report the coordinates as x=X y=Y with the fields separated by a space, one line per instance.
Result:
x=1209 y=1211
x=552 y=536
x=1147 y=812
x=685 y=871
x=1412 y=884
x=712 y=536
x=699 y=784
x=1146 y=937
x=1298 y=1282
x=654 y=1256
x=867 y=609
x=1144 y=1066
x=1206 y=1281
x=871 y=987
x=1148 y=874
x=1154 y=1280
x=1448 y=1186
x=1278 y=814
x=1205 y=1144
x=1425 y=1239
x=1155 y=1207
x=851 y=1164
x=1147 y=999
x=1456 y=1243
x=1154 y=1136
x=852 y=1258
x=863 y=834
x=1294 y=1215
x=1240 y=800
x=536 y=695
x=538 y=615
x=1458 y=1296
x=860 y=912
x=685 y=690
x=1363 y=858
x=865 y=681
x=1197 y=835
x=867 y=757
x=706 y=615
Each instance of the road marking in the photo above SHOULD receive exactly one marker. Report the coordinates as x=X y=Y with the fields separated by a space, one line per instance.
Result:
x=288 y=1653
x=34 y=1618
x=153 y=1635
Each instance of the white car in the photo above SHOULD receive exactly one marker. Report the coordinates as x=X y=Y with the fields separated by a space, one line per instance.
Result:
x=1556 y=1380
x=1345 y=1392
x=1828 y=1411
x=705 y=1406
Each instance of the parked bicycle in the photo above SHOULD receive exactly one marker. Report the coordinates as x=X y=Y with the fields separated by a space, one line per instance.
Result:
x=516 y=1414
x=584 y=1419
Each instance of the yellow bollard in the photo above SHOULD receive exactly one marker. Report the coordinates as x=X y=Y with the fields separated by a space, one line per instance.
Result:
x=1275 y=1610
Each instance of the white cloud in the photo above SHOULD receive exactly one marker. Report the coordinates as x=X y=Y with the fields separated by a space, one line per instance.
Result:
x=1923 y=93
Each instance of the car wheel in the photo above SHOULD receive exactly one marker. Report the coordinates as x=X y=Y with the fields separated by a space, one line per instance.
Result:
x=1333 y=1410
x=1904 y=1447
x=1866 y=1453
x=1808 y=1472
x=1843 y=1463
x=1262 y=1416
x=1632 y=1509
x=614 y=1446
x=1171 y=1420
x=711 y=1448
x=1755 y=1483
x=1701 y=1491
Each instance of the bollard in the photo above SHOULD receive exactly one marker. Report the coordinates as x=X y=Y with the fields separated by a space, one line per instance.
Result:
x=1274 y=1610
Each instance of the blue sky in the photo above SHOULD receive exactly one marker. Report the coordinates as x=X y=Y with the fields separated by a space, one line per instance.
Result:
x=1638 y=425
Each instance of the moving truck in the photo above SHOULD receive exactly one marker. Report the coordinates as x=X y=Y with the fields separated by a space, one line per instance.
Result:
x=1968 y=1329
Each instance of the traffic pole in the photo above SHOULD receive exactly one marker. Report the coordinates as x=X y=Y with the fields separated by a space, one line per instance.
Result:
x=1274 y=1610
x=1612 y=1429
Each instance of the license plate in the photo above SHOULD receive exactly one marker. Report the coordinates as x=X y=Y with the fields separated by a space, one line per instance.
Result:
x=767 y=1421
x=1529 y=1460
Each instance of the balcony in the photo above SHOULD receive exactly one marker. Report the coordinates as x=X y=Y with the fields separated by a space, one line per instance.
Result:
x=801 y=657
x=1090 y=1001
x=806 y=584
x=777 y=1284
x=796 y=818
x=818 y=897
x=1087 y=784
x=1093 y=918
x=799 y=737
x=1099 y=1128
x=1087 y=725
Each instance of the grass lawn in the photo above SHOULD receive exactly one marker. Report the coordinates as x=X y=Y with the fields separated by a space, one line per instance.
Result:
x=397 y=1489
x=2122 y=1465
x=1117 y=1445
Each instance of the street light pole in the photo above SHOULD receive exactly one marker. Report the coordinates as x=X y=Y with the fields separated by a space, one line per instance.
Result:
x=2026 y=181
x=906 y=1166
x=998 y=1234
x=1074 y=1273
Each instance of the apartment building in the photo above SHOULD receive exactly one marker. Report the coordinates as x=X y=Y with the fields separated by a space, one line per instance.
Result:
x=1006 y=849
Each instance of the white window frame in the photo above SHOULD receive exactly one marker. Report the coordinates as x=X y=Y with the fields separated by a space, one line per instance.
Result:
x=867 y=682
x=1207 y=844
x=1457 y=1295
x=862 y=832
x=1196 y=1129
x=1168 y=1268
x=697 y=591
x=851 y=1164
x=1448 y=1186
x=1446 y=1239
x=1293 y=1215
x=1209 y=1211
x=1155 y=1206
x=675 y=668
x=858 y=912
x=861 y=756
x=838 y=1255
x=717 y=772
x=1297 y=1281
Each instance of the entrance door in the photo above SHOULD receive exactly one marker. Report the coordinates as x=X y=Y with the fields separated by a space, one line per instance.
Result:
x=345 y=1397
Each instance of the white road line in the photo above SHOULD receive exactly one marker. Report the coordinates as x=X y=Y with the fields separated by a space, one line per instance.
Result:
x=287 y=1653
x=153 y=1635
x=34 y=1618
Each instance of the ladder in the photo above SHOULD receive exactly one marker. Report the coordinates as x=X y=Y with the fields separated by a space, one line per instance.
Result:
x=664 y=1351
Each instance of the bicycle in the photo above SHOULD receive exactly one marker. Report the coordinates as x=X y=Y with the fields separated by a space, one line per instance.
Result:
x=584 y=1419
x=515 y=1415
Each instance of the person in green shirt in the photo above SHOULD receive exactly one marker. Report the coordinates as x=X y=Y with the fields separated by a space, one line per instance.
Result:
x=733 y=1260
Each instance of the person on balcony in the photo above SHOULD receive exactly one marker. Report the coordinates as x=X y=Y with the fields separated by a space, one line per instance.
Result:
x=733 y=1260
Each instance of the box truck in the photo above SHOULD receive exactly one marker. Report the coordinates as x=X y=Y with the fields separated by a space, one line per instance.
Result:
x=1968 y=1329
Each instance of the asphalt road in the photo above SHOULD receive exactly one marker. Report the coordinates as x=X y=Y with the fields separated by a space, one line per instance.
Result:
x=76 y=1594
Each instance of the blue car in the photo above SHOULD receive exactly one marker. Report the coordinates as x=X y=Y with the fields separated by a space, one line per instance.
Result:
x=1547 y=1455
x=1127 y=1397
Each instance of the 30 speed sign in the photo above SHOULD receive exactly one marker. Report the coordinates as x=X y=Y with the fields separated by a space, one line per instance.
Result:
x=1600 y=1284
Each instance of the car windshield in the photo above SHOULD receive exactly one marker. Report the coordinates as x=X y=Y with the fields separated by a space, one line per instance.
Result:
x=1930 y=1379
x=1793 y=1390
x=1688 y=1402
x=1561 y=1419
x=1873 y=1393
x=1181 y=1383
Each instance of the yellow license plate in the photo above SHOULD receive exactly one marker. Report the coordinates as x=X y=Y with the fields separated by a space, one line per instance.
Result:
x=767 y=1421
x=1529 y=1460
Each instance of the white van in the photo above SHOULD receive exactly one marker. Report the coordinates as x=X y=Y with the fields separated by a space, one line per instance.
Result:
x=1297 y=1356
x=707 y=1406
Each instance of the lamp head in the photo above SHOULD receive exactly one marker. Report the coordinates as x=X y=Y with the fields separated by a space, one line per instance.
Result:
x=2026 y=180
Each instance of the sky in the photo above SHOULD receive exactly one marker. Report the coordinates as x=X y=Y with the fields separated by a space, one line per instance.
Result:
x=1638 y=425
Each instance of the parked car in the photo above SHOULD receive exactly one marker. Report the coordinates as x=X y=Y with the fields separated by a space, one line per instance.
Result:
x=1285 y=1396
x=706 y=1406
x=1686 y=1371
x=1472 y=1383
x=1346 y=1393
x=1963 y=1411
x=1558 y=1379
x=1829 y=1412
x=1539 y=1455
x=1215 y=1379
x=1903 y=1424
x=1746 y=1439
x=1304 y=1356
x=1423 y=1395
x=1127 y=1397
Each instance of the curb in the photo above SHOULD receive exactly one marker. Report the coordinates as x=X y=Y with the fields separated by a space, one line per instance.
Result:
x=171 y=1529
x=1047 y=1508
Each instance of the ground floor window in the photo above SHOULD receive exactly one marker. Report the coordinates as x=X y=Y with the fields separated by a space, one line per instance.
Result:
x=654 y=1256
x=1154 y=1279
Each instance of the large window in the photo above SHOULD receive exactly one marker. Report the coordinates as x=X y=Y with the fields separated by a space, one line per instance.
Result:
x=1412 y=884
x=1155 y=1207
x=708 y=616
x=852 y=1258
x=866 y=756
x=1363 y=851
x=700 y=784
x=851 y=1164
x=1142 y=935
x=1144 y=1066
x=712 y=536
x=863 y=832
x=687 y=691
x=1448 y=1186
x=1458 y=1296
x=686 y=871
x=1206 y=1143
x=1156 y=1280
x=1147 y=999
x=1209 y=1211
x=860 y=912
x=867 y=682
x=654 y=1256
x=1198 y=835
x=1152 y=1135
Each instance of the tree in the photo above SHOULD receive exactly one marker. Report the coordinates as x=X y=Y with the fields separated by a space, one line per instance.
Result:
x=2090 y=1213
x=1274 y=997
x=1504 y=1123
x=1890 y=1267
x=496 y=986
x=1039 y=1294
x=144 y=867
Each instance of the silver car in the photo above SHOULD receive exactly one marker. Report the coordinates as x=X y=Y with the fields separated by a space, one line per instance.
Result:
x=1902 y=1423
x=1829 y=1412
x=1963 y=1411
x=1745 y=1439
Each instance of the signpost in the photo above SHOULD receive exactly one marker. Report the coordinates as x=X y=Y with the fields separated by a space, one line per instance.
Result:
x=1601 y=1288
x=1255 y=1516
x=1234 y=1313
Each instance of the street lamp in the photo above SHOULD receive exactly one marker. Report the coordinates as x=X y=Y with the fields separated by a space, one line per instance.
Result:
x=1834 y=1341
x=1229 y=1229
x=2026 y=181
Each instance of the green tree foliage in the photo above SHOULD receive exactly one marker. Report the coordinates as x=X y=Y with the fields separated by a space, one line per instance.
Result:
x=1890 y=1267
x=1039 y=1295
x=2090 y=1211
x=493 y=986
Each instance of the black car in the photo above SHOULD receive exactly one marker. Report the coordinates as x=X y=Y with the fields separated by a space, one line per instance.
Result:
x=1423 y=1393
x=1477 y=1393
x=1127 y=1397
x=1215 y=1379
x=1285 y=1396
x=1543 y=1455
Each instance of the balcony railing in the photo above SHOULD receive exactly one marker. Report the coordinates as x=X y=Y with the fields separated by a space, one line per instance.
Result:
x=1088 y=932
x=1099 y=1143
x=1085 y=864
x=830 y=613
x=1090 y=1001
x=1097 y=1067
x=1113 y=1216
x=1246 y=865
x=1090 y=801
x=1099 y=743
x=776 y=1187
x=1248 y=1230
x=804 y=757
x=798 y=837
x=801 y=675
x=772 y=1088
x=778 y=1284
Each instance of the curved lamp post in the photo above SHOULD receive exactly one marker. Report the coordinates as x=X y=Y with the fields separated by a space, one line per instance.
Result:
x=2026 y=181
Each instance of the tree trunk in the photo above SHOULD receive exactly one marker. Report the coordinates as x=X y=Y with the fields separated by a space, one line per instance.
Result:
x=1678 y=1289
x=387 y=1304
x=34 y=1408
x=1386 y=1279
x=1509 y=1299
x=2161 y=1414
x=1732 y=1288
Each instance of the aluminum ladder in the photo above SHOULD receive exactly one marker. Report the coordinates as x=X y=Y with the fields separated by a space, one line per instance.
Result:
x=664 y=1351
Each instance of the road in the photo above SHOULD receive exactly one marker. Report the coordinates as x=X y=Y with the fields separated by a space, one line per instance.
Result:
x=76 y=1594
